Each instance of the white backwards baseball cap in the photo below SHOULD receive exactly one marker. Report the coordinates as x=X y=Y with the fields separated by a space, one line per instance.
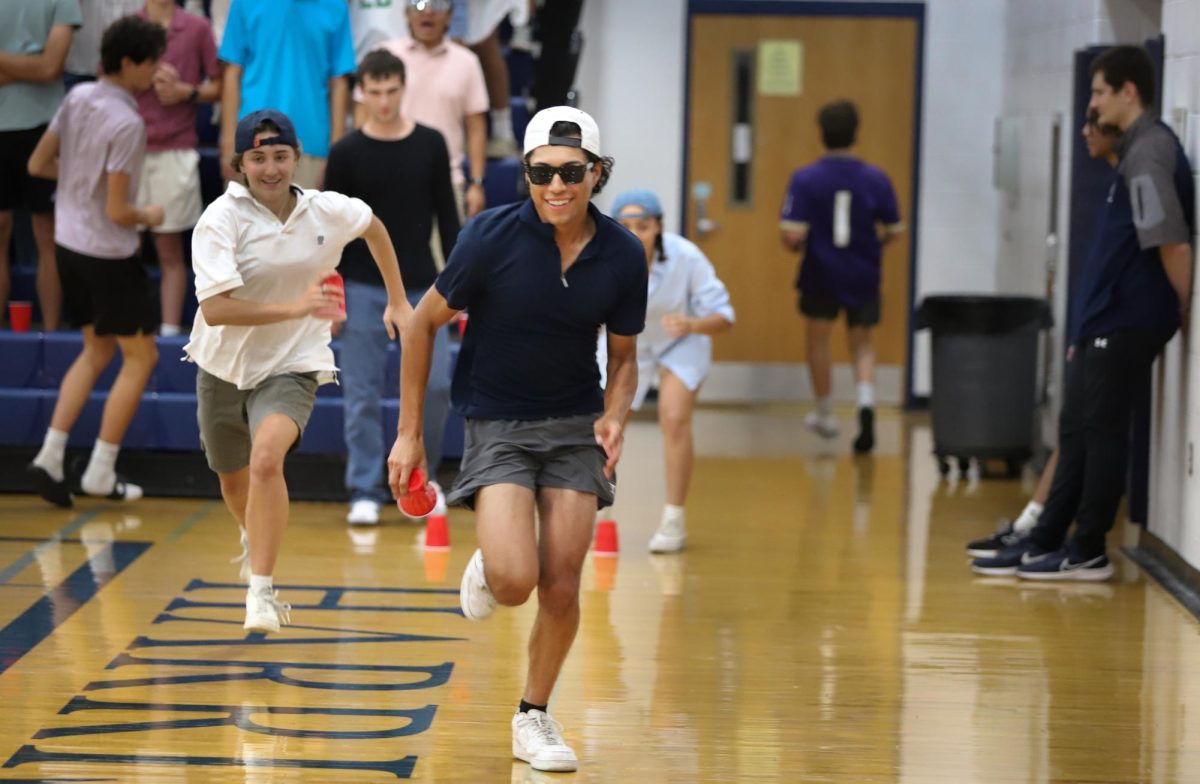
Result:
x=537 y=133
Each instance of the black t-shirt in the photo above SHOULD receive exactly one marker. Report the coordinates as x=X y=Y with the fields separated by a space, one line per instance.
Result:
x=407 y=183
x=529 y=351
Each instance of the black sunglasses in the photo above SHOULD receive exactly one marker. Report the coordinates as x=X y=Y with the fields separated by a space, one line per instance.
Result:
x=571 y=173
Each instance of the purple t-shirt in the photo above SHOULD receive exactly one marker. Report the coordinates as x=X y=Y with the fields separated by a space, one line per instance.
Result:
x=840 y=200
x=193 y=52
x=99 y=131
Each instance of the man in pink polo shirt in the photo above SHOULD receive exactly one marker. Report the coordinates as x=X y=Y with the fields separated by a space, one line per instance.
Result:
x=188 y=73
x=445 y=89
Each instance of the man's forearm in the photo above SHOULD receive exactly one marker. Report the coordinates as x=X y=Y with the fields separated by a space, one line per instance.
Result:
x=622 y=385
x=1177 y=263
x=416 y=359
x=28 y=67
x=339 y=98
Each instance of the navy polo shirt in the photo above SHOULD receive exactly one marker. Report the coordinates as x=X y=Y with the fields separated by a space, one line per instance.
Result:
x=1150 y=202
x=529 y=351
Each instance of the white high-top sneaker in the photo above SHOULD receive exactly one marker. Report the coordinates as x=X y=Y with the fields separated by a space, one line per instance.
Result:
x=537 y=740
x=671 y=536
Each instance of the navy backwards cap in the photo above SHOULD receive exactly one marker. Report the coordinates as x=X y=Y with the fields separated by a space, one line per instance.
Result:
x=244 y=137
x=638 y=197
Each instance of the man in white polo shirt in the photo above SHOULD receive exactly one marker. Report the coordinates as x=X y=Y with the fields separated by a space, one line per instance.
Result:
x=261 y=253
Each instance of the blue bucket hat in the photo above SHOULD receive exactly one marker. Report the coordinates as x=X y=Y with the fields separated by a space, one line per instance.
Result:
x=638 y=197
x=243 y=139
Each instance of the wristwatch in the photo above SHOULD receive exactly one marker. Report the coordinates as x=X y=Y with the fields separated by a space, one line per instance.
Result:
x=195 y=94
x=476 y=181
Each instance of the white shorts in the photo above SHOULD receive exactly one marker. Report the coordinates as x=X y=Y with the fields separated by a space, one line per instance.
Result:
x=484 y=16
x=171 y=179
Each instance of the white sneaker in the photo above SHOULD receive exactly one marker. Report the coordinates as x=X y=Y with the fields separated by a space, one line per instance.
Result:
x=824 y=425
x=474 y=596
x=264 y=611
x=536 y=740
x=363 y=512
x=670 y=537
x=243 y=559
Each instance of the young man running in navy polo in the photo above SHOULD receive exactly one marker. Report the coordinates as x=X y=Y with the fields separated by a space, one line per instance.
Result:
x=540 y=279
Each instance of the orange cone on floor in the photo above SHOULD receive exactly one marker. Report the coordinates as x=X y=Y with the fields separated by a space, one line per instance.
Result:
x=606 y=538
x=437 y=533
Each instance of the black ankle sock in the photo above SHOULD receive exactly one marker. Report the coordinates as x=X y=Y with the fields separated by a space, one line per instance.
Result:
x=528 y=706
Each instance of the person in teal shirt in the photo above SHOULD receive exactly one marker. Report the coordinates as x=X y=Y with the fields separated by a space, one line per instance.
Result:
x=292 y=56
x=35 y=36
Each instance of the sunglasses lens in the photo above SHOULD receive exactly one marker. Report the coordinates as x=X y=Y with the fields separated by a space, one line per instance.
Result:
x=572 y=174
x=540 y=175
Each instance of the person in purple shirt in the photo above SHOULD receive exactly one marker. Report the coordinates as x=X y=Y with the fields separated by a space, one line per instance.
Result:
x=188 y=74
x=839 y=212
x=94 y=148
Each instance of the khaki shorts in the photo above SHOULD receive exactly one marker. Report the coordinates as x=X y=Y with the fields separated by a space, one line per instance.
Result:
x=560 y=452
x=310 y=172
x=171 y=179
x=229 y=417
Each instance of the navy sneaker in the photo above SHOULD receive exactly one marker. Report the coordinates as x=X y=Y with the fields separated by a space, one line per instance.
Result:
x=1059 y=566
x=991 y=546
x=1005 y=562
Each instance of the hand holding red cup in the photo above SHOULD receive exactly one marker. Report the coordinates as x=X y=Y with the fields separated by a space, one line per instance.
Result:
x=421 y=498
x=333 y=284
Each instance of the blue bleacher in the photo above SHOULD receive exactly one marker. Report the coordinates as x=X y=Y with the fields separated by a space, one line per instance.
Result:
x=35 y=363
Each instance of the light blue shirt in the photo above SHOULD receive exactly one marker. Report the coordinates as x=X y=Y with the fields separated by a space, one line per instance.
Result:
x=289 y=50
x=24 y=27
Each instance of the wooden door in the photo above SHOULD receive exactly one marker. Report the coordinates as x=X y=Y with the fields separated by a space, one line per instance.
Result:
x=746 y=135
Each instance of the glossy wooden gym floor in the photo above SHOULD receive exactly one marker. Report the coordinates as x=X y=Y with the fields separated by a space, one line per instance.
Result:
x=822 y=627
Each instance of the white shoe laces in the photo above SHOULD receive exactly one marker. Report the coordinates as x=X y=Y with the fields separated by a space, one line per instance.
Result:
x=545 y=729
x=282 y=609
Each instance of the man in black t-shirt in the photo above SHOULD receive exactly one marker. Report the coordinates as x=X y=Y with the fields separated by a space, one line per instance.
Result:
x=540 y=277
x=402 y=171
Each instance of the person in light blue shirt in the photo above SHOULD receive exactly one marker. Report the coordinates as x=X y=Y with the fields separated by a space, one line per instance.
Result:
x=292 y=56
x=686 y=303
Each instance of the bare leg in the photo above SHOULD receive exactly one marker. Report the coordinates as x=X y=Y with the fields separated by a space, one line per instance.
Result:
x=6 y=229
x=267 y=498
x=235 y=489
x=495 y=73
x=566 y=528
x=863 y=352
x=49 y=289
x=77 y=384
x=1047 y=478
x=172 y=288
x=138 y=357
x=504 y=525
x=818 y=332
x=675 y=405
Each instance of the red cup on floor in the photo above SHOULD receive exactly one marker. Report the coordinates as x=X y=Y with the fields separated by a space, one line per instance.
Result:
x=421 y=496
x=333 y=281
x=20 y=316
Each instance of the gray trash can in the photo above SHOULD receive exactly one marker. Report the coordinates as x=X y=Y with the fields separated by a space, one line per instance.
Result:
x=985 y=360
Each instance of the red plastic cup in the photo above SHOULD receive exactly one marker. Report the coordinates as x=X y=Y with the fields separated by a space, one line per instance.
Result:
x=421 y=498
x=333 y=281
x=20 y=316
x=462 y=324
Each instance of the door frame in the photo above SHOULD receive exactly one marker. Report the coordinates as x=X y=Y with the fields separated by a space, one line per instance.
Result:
x=824 y=8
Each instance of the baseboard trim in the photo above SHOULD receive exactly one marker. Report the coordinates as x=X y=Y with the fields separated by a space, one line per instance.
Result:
x=1176 y=576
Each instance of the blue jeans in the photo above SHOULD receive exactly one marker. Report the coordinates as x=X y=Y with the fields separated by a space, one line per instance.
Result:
x=363 y=360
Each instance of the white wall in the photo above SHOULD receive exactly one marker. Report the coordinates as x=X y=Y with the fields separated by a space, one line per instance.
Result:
x=631 y=79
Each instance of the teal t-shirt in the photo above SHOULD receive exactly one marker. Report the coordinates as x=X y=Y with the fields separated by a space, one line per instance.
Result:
x=24 y=28
x=289 y=50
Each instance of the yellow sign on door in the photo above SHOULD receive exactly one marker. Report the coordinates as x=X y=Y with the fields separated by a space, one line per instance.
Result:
x=780 y=68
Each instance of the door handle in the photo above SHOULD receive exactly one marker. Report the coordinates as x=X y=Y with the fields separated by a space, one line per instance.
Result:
x=701 y=192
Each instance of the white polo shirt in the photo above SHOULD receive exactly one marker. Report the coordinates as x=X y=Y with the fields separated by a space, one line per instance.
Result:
x=240 y=246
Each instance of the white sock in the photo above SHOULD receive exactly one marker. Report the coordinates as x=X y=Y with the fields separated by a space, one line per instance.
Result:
x=101 y=473
x=824 y=407
x=866 y=394
x=169 y=330
x=260 y=583
x=1028 y=518
x=672 y=512
x=502 y=123
x=50 y=456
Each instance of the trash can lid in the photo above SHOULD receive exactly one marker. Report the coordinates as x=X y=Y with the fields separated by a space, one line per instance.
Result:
x=982 y=314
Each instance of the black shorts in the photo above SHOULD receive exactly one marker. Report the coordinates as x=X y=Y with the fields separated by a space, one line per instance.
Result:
x=18 y=189
x=820 y=306
x=111 y=295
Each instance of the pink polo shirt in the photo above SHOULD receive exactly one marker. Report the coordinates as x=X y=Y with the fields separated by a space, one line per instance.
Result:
x=193 y=52
x=442 y=87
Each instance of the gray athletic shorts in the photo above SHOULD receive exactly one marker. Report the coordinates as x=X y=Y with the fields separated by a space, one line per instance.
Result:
x=229 y=416
x=560 y=452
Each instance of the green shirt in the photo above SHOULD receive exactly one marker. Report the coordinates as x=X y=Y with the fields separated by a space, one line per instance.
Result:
x=24 y=28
